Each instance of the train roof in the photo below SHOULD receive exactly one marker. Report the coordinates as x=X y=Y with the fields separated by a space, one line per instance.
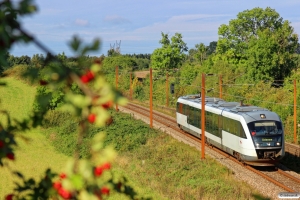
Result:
x=222 y=104
x=217 y=105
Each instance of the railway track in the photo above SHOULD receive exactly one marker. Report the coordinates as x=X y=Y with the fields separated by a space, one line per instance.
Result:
x=289 y=148
x=275 y=175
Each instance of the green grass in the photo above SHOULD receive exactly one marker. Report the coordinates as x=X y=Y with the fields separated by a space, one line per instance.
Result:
x=34 y=156
x=156 y=165
x=16 y=97
x=174 y=170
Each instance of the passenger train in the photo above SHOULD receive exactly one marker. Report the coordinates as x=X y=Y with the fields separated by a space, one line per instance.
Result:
x=252 y=134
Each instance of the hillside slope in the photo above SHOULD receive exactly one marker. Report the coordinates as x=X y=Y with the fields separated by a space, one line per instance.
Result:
x=34 y=156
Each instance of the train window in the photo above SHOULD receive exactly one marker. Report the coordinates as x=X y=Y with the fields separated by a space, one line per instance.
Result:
x=235 y=128
x=214 y=124
x=242 y=132
x=265 y=127
x=226 y=124
x=211 y=122
x=187 y=110
x=208 y=122
x=191 y=115
x=195 y=117
x=232 y=126
x=220 y=125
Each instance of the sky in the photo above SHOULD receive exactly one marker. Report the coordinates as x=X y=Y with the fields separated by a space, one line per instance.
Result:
x=136 y=25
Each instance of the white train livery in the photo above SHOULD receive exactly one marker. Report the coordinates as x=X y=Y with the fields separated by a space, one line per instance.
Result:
x=252 y=134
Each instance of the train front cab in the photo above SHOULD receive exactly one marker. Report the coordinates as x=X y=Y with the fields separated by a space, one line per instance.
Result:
x=268 y=141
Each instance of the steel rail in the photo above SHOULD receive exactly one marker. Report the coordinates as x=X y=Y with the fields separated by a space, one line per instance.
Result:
x=145 y=111
x=288 y=175
x=290 y=148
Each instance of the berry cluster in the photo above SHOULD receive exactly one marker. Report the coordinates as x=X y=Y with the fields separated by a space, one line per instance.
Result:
x=87 y=77
x=92 y=117
x=65 y=194
x=99 y=169
x=60 y=190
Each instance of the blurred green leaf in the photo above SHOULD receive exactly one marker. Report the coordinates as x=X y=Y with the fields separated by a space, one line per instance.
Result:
x=75 y=43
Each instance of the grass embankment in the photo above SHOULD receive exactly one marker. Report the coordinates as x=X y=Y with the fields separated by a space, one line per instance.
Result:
x=157 y=165
x=33 y=157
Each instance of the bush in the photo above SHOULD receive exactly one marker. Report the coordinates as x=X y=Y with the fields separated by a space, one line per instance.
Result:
x=55 y=118
x=124 y=134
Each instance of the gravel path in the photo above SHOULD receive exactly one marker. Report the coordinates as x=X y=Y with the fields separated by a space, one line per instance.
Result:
x=241 y=173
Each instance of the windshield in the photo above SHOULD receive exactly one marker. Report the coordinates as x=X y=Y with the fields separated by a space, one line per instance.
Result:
x=265 y=128
x=266 y=133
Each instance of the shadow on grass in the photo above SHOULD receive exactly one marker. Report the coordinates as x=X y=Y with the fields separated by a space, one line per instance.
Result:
x=259 y=197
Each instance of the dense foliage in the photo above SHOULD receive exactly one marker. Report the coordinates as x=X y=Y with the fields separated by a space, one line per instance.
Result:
x=171 y=54
x=260 y=42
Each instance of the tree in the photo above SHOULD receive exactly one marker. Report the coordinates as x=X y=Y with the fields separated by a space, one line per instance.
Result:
x=112 y=52
x=171 y=54
x=123 y=62
x=191 y=55
x=37 y=60
x=298 y=49
x=261 y=41
x=62 y=57
x=201 y=52
x=6 y=64
x=211 y=48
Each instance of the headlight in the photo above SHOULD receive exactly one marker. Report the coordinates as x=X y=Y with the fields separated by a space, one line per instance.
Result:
x=278 y=143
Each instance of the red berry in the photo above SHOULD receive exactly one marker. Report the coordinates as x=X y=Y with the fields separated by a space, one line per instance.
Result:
x=87 y=77
x=63 y=175
x=42 y=82
x=1 y=144
x=84 y=78
x=9 y=197
x=90 y=75
x=92 y=118
x=106 y=166
x=98 y=171
x=105 y=190
x=108 y=104
x=10 y=156
x=64 y=193
x=57 y=185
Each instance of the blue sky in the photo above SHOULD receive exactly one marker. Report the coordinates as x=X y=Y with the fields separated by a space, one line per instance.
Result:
x=138 y=23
